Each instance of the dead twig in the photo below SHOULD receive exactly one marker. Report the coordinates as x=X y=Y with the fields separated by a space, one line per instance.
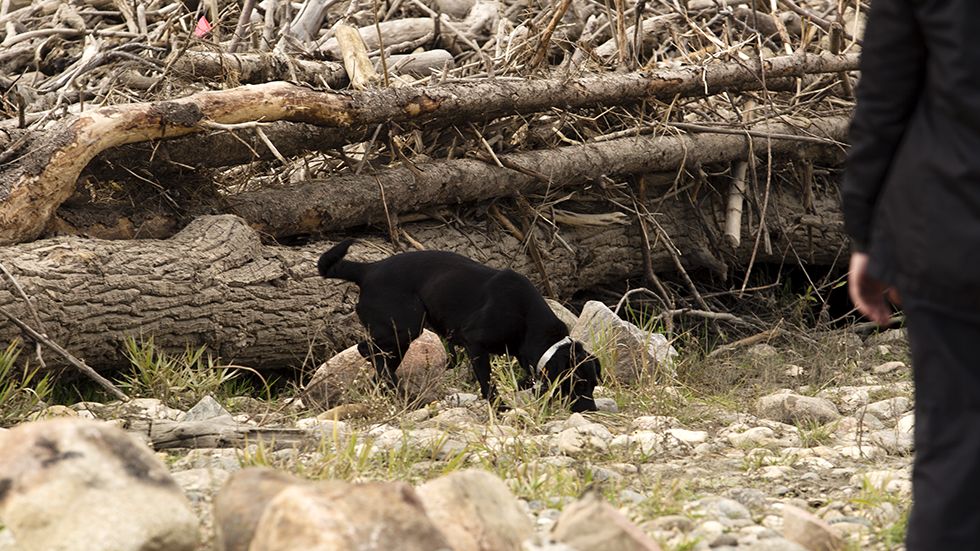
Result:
x=79 y=364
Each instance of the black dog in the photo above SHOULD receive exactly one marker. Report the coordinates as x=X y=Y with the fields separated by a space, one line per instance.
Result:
x=482 y=310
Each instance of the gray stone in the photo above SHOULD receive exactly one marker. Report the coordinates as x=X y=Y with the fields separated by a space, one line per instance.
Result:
x=774 y=544
x=755 y=437
x=225 y=459
x=590 y=524
x=891 y=408
x=679 y=523
x=476 y=512
x=452 y=418
x=888 y=367
x=751 y=498
x=762 y=351
x=207 y=408
x=632 y=351
x=893 y=441
x=422 y=374
x=200 y=485
x=787 y=407
x=69 y=482
x=716 y=507
x=337 y=516
x=891 y=336
x=583 y=438
x=564 y=314
x=809 y=531
x=239 y=505
x=607 y=405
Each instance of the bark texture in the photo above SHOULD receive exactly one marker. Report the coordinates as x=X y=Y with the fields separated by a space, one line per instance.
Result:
x=216 y=284
x=33 y=186
x=348 y=201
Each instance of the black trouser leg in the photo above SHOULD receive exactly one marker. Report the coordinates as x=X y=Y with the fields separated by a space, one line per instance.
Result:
x=946 y=471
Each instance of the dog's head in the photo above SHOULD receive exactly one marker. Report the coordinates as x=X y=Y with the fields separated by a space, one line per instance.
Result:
x=576 y=373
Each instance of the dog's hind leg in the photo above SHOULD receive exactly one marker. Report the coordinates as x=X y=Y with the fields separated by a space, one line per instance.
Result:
x=392 y=325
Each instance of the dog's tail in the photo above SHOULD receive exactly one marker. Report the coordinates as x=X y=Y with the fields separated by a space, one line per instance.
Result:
x=333 y=265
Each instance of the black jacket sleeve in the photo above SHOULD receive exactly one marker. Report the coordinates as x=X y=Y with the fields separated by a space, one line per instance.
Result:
x=892 y=74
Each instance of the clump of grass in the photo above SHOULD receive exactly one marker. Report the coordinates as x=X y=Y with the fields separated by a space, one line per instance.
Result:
x=177 y=380
x=22 y=390
x=813 y=434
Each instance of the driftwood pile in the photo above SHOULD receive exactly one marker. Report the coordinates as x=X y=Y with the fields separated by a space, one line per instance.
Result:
x=164 y=166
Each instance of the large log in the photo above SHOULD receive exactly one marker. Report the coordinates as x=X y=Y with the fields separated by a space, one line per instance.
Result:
x=34 y=185
x=216 y=284
x=343 y=202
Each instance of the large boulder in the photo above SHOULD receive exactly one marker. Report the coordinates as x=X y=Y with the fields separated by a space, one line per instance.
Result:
x=374 y=516
x=631 y=352
x=79 y=484
x=476 y=512
x=347 y=377
x=239 y=505
x=590 y=524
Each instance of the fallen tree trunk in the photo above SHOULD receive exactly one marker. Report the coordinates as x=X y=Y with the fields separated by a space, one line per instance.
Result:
x=344 y=202
x=34 y=185
x=215 y=284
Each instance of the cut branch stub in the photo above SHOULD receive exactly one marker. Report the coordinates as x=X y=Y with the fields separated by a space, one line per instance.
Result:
x=33 y=186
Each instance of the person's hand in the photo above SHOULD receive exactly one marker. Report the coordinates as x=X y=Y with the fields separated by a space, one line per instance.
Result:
x=868 y=293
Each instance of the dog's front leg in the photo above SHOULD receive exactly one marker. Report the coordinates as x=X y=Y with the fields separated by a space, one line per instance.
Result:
x=481 y=369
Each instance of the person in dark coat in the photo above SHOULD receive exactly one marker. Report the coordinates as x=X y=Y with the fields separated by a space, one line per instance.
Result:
x=911 y=201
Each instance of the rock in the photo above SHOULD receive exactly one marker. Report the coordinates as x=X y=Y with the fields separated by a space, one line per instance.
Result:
x=794 y=371
x=53 y=412
x=201 y=484
x=692 y=437
x=224 y=459
x=864 y=451
x=888 y=367
x=891 y=336
x=452 y=418
x=890 y=481
x=809 y=531
x=476 y=512
x=67 y=483
x=632 y=351
x=457 y=399
x=345 y=411
x=575 y=420
x=206 y=409
x=891 y=408
x=335 y=516
x=750 y=497
x=239 y=505
x=590 y=524
x=762 y=351
x=787 y=407
x=671 y=522
x=906 y=425
x=607 y=405
x=654 y=422
x=893 y=441
x=721 y=508
x=422 y=374
x=564 y=314
x=774 y=544
x=756 y=437
x=146 y=409
x=7 y=541
x=579 y=439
